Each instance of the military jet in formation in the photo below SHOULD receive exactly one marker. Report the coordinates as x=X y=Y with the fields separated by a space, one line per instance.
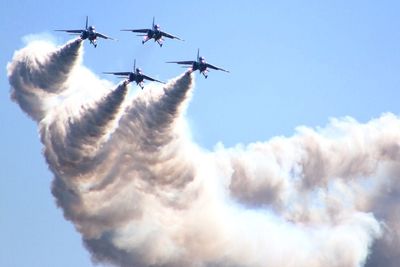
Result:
x=153 y=33
x=134 y=76
x=88 y=33
x=200 y=64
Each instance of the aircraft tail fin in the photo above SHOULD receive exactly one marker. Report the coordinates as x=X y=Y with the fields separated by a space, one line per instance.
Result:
x=198 y=54
x=134 y=65
x=87 y=19
x=153 y=21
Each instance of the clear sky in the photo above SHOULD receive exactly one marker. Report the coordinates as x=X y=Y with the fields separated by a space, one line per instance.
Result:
x=292 y=63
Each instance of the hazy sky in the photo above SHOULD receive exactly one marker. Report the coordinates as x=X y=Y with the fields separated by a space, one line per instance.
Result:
x=292 y=63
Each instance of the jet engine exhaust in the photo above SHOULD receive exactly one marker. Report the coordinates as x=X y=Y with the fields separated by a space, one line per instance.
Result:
x=141 y=192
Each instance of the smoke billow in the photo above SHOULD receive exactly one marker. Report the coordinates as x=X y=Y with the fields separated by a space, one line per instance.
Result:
x=141 y=193
x=39 y=71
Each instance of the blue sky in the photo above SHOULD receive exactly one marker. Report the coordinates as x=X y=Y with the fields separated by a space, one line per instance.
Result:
x=292 y=63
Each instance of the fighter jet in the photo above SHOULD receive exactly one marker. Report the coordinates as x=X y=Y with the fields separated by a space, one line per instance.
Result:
x=200 y=65
x=135 y=76
x=153 y=33
x=88 y=33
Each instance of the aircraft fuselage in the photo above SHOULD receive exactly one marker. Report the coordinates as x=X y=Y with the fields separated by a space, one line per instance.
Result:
x=135 y=77
x=91 y=35
x=155 y=34
x=199 y=66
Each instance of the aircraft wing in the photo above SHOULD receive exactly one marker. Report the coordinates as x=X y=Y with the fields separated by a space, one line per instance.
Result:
x=170 y=36
x=137 y=30
x=151 y=79
x=119 y=73
x=214 y=67
x=103 y=36
x=190 y=62
x=71 y=31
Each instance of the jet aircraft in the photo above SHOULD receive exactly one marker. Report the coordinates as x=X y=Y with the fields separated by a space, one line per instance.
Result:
x=153 y=33
x=135 y=76
x=88 y=33
x=200 y=65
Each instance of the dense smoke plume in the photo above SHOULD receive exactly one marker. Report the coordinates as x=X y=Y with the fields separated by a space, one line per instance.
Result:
x=141 y=193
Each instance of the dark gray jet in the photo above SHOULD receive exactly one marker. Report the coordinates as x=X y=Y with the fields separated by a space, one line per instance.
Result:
x=200 y=65
x=88 y=33
x=135 y=76
x=153 y=33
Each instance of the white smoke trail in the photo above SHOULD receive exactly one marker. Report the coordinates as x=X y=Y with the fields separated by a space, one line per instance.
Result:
x=141 y=193
x=36 y=74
